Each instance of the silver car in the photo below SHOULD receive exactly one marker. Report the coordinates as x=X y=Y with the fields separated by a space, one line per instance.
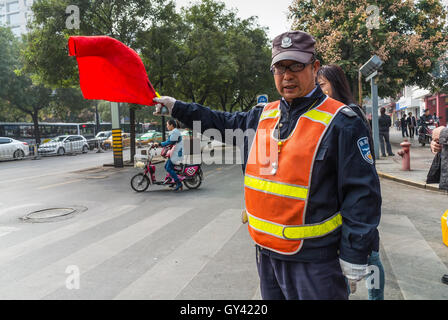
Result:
x=13 y=149
x=64 y=144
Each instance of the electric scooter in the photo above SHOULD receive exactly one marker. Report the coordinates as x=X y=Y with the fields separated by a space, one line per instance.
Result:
x=190 y=175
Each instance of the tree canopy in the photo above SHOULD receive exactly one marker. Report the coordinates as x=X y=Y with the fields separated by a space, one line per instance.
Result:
x=202 y=53
x=410 y=38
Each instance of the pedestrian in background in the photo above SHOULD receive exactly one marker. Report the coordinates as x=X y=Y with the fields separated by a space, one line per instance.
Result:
x=404 y=126
x=411 y=125
x=333 y=82
x=333 y=190
x=384 y=123
x=436 y=119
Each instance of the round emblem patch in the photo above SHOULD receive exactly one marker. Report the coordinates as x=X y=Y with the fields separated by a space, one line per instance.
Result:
x=364 y=148
x=286 y=42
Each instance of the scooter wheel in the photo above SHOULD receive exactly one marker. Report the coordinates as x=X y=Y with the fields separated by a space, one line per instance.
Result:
x=140 y=182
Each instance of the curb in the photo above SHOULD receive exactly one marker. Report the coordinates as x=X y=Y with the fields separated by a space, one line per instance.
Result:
x=411 y=183
x=130 y=165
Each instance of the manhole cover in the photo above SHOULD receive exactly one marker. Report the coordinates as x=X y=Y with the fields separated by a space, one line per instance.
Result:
x=52 y=214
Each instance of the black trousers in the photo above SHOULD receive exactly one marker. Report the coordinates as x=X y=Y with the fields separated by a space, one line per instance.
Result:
x=384 y=138
x=293 y=280
x=404 y=130
x=411 y=131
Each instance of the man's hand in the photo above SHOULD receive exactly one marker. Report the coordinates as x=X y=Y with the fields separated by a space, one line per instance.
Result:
x=165 y=106
x=435 y=146
x=352 y=271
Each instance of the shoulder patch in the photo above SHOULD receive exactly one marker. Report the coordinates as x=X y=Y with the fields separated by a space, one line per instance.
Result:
x=348 y=112
x=364 y=148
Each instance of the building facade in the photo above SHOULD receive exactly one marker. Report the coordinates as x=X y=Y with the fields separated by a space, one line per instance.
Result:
x=438 y=104
x=15 y=14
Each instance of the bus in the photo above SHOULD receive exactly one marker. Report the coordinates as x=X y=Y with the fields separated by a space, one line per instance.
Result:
x=24 y=131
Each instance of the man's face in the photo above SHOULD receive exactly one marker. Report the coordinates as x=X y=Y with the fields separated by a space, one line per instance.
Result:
x=293 y=85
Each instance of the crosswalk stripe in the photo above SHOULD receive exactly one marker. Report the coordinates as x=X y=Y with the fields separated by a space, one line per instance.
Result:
x=173 y=273
x=52 y=277
x=22 y=248
x=416 y=266
x=26 y=205
x=7 y=230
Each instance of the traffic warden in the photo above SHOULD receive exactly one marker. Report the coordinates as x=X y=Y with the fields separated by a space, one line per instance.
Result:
x=314 y=212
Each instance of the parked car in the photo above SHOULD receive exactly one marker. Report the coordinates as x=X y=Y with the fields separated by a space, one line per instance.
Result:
x=13 y=149
x=64 y=144
x=126 y=140
x=152 y=136
x=99 y=139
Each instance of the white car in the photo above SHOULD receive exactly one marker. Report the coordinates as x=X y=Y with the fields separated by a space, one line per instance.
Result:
x=13 y=149
x=64 y=144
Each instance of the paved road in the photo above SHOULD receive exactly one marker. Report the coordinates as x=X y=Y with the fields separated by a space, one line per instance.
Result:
x=154 y=245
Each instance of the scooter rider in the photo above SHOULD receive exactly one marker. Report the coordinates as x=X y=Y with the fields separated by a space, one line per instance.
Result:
x=175 y=139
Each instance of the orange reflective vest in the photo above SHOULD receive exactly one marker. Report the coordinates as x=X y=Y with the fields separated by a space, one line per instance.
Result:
x=278 y=178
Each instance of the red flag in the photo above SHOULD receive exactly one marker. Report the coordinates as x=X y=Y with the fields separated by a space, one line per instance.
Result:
x=109 y=70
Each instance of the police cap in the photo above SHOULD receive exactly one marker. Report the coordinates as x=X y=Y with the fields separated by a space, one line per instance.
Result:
x=293 y=45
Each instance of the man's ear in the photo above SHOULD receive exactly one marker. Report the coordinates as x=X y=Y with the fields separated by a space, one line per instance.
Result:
x=316 y=67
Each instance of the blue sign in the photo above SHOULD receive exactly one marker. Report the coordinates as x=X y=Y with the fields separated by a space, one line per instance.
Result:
x=398 y=107
x=263 y=98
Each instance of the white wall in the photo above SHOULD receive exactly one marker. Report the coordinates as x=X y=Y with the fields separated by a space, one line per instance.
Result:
x=15 y=14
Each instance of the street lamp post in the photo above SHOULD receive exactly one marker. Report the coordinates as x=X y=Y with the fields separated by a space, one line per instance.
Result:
x=370 y=71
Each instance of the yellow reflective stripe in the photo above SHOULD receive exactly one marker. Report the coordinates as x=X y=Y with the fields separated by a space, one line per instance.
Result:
x=269 y=114
x=296 y=232
x=276 y=188
x=266 y=227
x=313 y=231
x=319 y=116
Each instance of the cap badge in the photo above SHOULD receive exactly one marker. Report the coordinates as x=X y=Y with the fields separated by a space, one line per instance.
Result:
x=286 y=42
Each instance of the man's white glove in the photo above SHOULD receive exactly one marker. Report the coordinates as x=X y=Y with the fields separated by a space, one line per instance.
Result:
x=165 y=106
x=353 y=272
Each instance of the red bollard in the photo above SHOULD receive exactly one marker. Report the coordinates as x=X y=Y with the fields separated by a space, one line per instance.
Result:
x=405 y=154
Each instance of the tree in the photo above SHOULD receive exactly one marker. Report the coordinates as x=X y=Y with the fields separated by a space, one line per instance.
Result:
x=222 y=61
x=46 y=56
x=17 y=91
x=9 y=51
x=410 y=37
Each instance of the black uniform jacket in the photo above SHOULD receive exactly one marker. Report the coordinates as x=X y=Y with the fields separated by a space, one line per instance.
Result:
x=344 y=178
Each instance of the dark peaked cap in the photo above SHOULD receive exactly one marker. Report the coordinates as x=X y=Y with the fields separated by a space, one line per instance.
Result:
x=293 y=45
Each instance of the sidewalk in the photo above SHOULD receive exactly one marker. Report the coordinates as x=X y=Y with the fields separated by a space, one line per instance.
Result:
x=421 y=159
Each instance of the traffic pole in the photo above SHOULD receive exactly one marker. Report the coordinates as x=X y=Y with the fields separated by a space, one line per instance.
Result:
x=117 y=143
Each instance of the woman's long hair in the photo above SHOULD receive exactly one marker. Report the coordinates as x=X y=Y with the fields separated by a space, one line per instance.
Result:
x=338 y=81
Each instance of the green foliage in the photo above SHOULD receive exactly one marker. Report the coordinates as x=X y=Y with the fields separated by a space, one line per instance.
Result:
x=203 y=53
x=410 y=38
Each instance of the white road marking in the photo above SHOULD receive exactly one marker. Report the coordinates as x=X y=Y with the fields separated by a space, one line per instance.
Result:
x=59 y=184
x=7 y=230
x=417 y=268
x=27 y=205
x=33 y=177
x=33 y=244
x=173 y=273
x=52 y=277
